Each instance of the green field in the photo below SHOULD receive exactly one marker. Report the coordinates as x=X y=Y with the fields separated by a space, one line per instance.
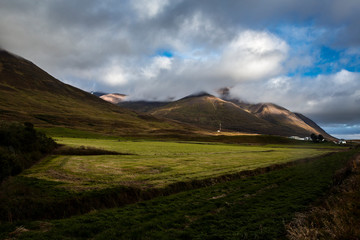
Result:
x=257 y=207
x=172 y=181
x=157 y=164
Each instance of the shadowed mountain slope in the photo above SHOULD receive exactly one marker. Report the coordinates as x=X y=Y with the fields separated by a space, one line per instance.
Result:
x=142 y=106
x=295 y=122
x=27 y=93
x=208 y=111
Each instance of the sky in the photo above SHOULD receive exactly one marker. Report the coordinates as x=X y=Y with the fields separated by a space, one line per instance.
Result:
x=303 y=55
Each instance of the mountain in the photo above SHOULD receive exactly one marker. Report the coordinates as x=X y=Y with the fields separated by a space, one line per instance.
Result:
x=142 y=106
x=295 y=123
x=98 y=94
x=114 y=98
x=27 y=93
x=207 y=111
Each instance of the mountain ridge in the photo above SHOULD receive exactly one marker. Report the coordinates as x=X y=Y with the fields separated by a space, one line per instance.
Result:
x=207 y=111
x=28 y=93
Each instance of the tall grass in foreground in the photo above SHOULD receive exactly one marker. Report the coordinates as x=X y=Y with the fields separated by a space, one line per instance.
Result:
x=253 y=208
x=338 y=217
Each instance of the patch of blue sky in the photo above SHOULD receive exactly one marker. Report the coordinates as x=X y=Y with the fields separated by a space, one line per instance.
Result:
x=164 y=53
x=199 y=54
x=297 y=35
x=350 y=61
x=306 y=39
x=328 y=61
x=343 y=131
x=355 y=136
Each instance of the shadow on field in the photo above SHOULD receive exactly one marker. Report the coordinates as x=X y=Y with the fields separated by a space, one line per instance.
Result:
x=30 y=203
x=85 y=151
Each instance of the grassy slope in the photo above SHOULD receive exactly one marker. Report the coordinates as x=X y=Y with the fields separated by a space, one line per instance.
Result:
x=252 y=208
x=27 y=93
x=293 y=123
x=208 y=111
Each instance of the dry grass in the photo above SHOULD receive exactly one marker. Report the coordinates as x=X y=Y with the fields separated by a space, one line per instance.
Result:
x=338 y=217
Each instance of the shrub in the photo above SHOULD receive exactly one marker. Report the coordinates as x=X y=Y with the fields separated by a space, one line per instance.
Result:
x=20 y=147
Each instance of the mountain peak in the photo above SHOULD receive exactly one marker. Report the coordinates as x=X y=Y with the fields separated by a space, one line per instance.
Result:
x=6 y=54
x=114 y=98
x=199 y=94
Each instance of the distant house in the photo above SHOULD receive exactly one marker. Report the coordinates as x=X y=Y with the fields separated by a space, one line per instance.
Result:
x=341 y=141
x=297 y=138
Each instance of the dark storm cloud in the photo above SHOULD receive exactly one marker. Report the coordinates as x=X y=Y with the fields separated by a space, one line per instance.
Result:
x=260 y=48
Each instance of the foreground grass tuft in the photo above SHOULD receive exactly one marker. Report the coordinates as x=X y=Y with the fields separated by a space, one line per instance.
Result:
x=335 y=218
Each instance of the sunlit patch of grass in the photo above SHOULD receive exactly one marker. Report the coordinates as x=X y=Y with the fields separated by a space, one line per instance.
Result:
x=157 y=164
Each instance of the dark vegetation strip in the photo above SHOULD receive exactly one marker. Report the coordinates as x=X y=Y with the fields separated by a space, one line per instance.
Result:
x=31 y=198
x=241 y=139
x=252 y=208
x=85 y=151
x=20 y=147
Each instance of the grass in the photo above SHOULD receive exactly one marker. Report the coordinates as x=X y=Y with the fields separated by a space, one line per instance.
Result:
x=73 y=133
x=61 y=186
x=337 y=217
x=158 y=164
x=253 y=208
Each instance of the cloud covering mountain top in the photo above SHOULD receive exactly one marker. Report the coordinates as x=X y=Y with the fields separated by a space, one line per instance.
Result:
x=303 y=55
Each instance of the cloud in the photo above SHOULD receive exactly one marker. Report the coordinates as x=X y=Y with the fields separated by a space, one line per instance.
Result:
x=115 y=76
x=253 y=55
x=159 y=63
x=332 y=98
x=300 y=54
x=149 y=8
x=250 y=56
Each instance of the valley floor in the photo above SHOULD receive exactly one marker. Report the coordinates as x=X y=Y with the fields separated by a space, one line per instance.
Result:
x=249 y=207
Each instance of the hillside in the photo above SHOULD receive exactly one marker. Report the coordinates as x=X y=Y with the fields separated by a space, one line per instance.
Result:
x=295 y=122
x=27 y=93
x=208 y=111
x=142 y=106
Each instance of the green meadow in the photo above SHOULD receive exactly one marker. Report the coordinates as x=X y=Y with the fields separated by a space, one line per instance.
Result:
x=147 y=189
x=256 y=207
x=155 y=164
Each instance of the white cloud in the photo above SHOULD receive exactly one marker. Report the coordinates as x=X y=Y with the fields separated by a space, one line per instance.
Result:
x=254 y=55
x=344 y=77
x=159 y=63
x=250 y=56
x=327 y=98
x=115 y=76
x=149 y=8
x=107 y=44
x=281 y=82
